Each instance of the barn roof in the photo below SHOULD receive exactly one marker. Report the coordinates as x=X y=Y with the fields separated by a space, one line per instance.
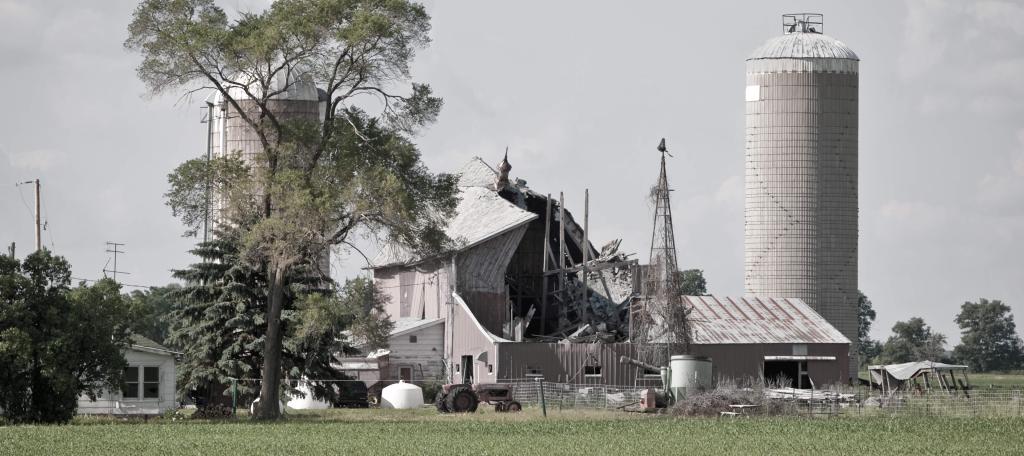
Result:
x=477 y=173
x=480 y=216
x=758 y=321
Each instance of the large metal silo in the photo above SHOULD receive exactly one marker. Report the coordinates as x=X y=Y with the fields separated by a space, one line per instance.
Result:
x=801 y=172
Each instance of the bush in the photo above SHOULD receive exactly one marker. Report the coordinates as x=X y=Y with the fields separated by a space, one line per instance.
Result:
x=718 y=400
x=213 y=411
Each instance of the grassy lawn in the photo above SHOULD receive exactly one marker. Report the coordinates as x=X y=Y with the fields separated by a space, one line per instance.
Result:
x=359 y=432
x=1008 y=381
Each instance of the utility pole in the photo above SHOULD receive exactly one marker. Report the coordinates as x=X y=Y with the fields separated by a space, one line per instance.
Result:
x=114 y=247
x=39 y=225
x=209 y=156
x=39 y=229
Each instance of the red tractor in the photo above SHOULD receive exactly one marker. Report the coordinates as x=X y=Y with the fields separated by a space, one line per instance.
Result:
x=464 y=398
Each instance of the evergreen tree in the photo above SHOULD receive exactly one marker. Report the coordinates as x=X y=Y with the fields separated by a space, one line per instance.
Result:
x=218 y=320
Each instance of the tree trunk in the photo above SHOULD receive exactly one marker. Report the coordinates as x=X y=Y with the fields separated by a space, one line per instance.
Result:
x=270 y=399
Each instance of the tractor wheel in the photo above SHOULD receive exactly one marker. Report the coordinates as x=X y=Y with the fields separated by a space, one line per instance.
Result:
x=461 y=399
x=441 y=402
x=513 y=407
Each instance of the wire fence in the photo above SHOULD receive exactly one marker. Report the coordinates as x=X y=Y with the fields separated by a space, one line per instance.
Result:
x=974 y=403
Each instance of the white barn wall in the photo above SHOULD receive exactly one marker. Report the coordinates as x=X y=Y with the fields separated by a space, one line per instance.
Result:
x=424 y=357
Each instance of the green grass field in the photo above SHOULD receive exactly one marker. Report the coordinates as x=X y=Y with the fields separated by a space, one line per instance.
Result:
x=359 y=432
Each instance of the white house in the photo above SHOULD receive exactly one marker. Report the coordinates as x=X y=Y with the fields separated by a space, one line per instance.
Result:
x=149 y=383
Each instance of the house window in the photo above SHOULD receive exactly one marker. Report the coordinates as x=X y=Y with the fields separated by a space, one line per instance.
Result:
x=490 y=368
x=151 y=382
x=405 y=373
x=148 y=384
x=592 y=371
x=412 y=339
x=130 y=388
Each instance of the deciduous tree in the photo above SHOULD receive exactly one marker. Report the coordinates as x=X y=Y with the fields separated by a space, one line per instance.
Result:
x=988 y=339
x=315 y=183
x=912 y=340
x=56 y=342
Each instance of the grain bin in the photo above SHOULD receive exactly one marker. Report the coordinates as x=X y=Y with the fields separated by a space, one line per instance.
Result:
x=689 y=374
x=800 y=219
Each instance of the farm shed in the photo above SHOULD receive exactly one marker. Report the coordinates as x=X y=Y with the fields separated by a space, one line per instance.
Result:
x=918 y=376
x=744 y=337
x=149 y=383
x=415 y=353
x=520 y=299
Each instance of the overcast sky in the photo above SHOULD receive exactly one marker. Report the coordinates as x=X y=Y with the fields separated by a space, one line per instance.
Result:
x=581 y=92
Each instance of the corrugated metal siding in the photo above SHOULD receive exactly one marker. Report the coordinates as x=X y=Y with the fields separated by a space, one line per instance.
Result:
x=758 y=321
x=565 y=362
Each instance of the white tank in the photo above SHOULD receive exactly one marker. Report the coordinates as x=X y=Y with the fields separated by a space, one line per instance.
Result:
x=308 y=402
x=401 y=395
x=689 y=373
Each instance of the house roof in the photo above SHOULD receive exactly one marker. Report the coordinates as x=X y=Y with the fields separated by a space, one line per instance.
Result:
x=408 y=325
x=758 y=321
x=144 y=344
x=480 y=216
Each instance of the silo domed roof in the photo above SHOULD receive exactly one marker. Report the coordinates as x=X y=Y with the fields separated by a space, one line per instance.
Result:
x=803 y=45
x=298 y=86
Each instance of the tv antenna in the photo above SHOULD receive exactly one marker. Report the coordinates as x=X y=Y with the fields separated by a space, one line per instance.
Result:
x=115 y=248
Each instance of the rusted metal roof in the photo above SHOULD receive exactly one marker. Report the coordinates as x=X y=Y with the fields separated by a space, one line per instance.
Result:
x=803 y=46
x=758 y=321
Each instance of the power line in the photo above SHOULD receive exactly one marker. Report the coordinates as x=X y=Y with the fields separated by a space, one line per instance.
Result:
x=121 y=284
x=46 y=224
x=22 y=195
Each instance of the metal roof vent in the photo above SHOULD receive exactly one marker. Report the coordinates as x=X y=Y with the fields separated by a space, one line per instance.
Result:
x=803 y=23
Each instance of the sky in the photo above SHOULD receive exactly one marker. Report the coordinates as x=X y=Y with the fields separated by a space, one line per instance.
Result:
x=580 y=92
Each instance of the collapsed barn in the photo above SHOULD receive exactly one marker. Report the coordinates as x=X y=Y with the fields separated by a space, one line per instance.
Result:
x=526 y=295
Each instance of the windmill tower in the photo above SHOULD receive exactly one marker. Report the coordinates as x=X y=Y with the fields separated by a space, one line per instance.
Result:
x=662 y=316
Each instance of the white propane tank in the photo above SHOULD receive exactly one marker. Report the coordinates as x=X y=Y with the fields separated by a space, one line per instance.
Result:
x=308 y=402
x=401 y=395
x=689 y=373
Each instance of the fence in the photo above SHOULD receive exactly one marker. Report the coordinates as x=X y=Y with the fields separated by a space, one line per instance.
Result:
x=568 y=396
x=976 y=403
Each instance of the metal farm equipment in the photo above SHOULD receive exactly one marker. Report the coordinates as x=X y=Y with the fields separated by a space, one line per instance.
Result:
x=465 y=398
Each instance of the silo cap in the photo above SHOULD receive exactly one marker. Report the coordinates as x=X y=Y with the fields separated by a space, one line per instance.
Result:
x=803 y=46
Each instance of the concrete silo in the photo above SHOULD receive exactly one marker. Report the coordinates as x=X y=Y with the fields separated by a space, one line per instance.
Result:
x=801 y=172
x=299 y=98
x=294 y=97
